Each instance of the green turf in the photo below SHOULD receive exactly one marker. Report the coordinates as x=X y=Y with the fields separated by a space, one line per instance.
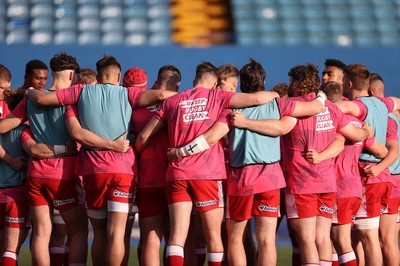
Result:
x=284 y=257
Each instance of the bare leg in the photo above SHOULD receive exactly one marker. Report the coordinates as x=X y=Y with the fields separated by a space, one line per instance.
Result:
x=266 y=235
x=151 y=230
x=41 y=222
x=304 y=230
x=389 y=239
x=236 y=253
x=116 y=223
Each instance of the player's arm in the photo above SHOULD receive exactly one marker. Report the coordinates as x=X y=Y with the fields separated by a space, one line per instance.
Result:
x=152 y=128
x=310 y=108
x=396 y=102
x=392 y=155
x=90 y=139
x=331 y=151
x=8 y=123
x=150 y=97
x=17 y=163
x=201 y=143
x=376 y=148
x=42 y=98
x=356 y=134
x=240 y=100
x=270 y=127
x=349 y=107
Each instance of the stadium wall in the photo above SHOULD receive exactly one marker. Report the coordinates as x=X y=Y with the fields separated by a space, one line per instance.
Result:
x=276 y=60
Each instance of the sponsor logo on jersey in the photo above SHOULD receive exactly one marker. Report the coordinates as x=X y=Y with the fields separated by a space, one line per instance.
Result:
x=195 y=110
x=324 y=121
x=121 y=194
x=63 y=202
x=265 y=208
x=206 y=203
x=19 y=220
x=326 y=209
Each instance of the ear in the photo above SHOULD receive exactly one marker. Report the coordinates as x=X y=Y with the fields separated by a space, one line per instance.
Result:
x=71 y=75
x=119 y=78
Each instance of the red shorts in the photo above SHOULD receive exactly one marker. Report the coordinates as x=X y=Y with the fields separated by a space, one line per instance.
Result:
x=62 y=194
x=310 y=205
x=345 y=210
x=375 y=200
x=393 y=206
x=205 y=194
x=264 y=204
x=152 y=202
x=114 y=191
x=14 y=214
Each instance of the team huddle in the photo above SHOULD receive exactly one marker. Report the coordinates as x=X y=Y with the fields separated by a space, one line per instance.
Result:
x=198 y=165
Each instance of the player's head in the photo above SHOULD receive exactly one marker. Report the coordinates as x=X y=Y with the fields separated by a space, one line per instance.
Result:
x=5 y=77
x=13 y=97
x=63 y=61
x=86 y=76
x=304 y=79
x=228 y=77
x=281 y=89
x=135 y=77
x=252 y=77
x=376 y=85
x=168 y=78
x=36 y=74
x=206 y=75
x=333 y=91
x=356 y=77
x=108 y=70
x=333 y=71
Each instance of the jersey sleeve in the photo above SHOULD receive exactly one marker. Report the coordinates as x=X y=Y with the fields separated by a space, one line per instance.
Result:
x=392 y=130
x=69 y=95
x=161 y=114
x=225 y=97
x=71 y=111
x=134 y=95
x=26 y=135
x=389 y=102
x=224 y=117
x=342 y=120
x=363 y=109
x=286 y=106
x=368 y=142
x=20 y=110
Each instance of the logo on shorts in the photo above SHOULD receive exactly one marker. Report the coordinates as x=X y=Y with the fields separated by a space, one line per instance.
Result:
x=206 y=203
x=326 y=209
x=9 y=219
x=264 y=208
x=121 y=194
x=63 y=202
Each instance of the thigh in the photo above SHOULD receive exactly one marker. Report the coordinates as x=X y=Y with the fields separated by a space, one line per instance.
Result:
x=239 y=207
x=267 y=204
x=207 y=194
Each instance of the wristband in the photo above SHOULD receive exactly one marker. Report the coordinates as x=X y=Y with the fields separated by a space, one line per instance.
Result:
x=60 y=149
x=197 y=145
x=321 y=97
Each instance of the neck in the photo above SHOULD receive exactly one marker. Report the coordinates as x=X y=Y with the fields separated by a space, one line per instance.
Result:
x=358 y=93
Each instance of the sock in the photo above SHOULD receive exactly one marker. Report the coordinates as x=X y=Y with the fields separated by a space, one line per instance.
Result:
x=57 y=255
x=296 y=261
x=215 y=258
x=348 y=259
x=174 y=255
x=9 y=258
x=335 y=260
x=201 y=256
x=325 y=262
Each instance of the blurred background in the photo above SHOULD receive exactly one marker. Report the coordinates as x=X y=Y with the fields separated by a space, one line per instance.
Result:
x=151 y=33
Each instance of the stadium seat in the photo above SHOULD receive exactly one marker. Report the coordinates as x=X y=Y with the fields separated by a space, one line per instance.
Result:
x=91 y=38
x=41 y=38
x=112 y=38
x=65 y=37
x=136 y=39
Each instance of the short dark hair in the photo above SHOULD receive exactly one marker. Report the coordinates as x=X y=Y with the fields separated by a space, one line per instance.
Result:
x=106 y=62
x=252 y=77
x=359 y=75
x=5 y=74
x=163 y=69
x=374 y=77
x=35 y=64
x=13 y=97
x=336 y=63
x=206 y=68
x=63 y=61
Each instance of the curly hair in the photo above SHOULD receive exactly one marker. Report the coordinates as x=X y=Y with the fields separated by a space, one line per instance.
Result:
x=63 y=61
x=305 y=78
x=13 y=97
x=252 y=77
